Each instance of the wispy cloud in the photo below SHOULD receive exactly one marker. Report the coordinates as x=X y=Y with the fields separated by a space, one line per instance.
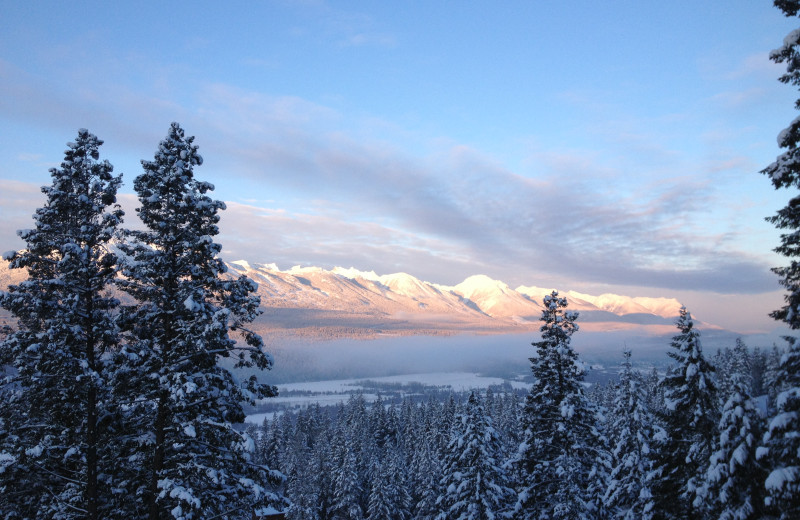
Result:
x=444 y=216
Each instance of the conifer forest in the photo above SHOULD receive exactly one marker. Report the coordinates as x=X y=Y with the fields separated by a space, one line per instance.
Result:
x=115 y=405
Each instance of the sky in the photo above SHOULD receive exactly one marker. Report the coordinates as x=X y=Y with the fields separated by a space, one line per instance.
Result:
x=591 y=146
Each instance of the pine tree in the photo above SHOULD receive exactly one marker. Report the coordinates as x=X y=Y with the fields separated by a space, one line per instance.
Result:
x=195 y=464
x=628 y=493
x=52 y=461
x=388 y=498
x=475 y=485
x=429 y=471
x=690 y=419
x=734 y=482
x=562 y=447
x=783 y=443
x=785 y=173
x=347 y=487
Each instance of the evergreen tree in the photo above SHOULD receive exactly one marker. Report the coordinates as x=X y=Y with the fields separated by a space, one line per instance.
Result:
x=734 y=483
x=758 y=370
x=194 y=463
x=772 y=374
x=429 y=471
x=388 y=498
x=562 y=447
x=783 y=442
x=628 y=494
x=347 y=484
x=690 y=419
x=55 y=422
x=782 y=439
x=475 y=485
x=785 y=173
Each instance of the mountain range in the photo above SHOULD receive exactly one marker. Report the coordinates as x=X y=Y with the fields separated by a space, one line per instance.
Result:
x=322 y=304
x=313 y=297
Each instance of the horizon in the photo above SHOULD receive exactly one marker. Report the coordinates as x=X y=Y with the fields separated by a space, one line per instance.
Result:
x=569 y=146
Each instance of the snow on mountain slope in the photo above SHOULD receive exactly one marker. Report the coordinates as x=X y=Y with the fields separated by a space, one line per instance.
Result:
x=354 y=273
x=349 y=299
x=621 y=305
x=666 y=307
x=10 y=276
x=407 y=285
x=574 y=299
x=612 y=303
x=350 y=290
x=497 y=299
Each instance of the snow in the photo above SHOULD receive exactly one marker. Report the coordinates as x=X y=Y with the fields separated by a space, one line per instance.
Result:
x=190 y=304
x=778 y=478
x=792 y=38
x=333 y=392
x=480 y=283
x=243 y=264
x=782 y=420
x=36 y=451
x=353 y=273
x=458 y=381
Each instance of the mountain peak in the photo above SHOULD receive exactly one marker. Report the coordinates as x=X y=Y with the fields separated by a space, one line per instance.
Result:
x=480 y=283
x=243 y=264
x=353 y=273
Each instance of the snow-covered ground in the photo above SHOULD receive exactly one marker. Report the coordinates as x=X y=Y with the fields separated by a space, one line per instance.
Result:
x=331 y=393
x=457 y=381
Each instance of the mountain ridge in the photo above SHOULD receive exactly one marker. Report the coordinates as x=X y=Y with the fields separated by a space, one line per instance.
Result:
x=482 y=290
x=317 y=303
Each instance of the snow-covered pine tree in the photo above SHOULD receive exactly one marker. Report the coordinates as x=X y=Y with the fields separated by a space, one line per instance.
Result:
x=558 y=458
x=782 y=456
x=758 y=369
x=734 y=487
x=475 y=485
x=785 y=173
x=428 y=468
x=52 y=462
x=347 y=487
x=632 y=427
x=783 y=482
x=388 y=498
x=690 y=419
x=187 y=460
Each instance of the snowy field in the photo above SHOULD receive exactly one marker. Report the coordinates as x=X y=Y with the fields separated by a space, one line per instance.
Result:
x=331 y=393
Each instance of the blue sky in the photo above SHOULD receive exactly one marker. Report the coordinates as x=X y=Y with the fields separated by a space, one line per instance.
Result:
x=600 y=147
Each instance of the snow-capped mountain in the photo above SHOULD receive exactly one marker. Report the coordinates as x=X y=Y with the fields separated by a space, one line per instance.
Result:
x=477 y=303
x=349 y=302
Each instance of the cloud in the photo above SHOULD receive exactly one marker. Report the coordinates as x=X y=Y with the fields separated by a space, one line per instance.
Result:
x=351 y=196
x=18 y=201
x=756 y=65
x=740 y=98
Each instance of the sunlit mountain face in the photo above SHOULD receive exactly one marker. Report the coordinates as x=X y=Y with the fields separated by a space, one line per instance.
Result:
x=317 y=303
x=344 y=302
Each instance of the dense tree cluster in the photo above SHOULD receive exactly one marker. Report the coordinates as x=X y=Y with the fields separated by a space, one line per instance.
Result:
x=639 y=447
x=417 y=459
x=122 y=411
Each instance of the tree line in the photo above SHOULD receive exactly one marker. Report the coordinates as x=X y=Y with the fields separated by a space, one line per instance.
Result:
x=691 y=443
